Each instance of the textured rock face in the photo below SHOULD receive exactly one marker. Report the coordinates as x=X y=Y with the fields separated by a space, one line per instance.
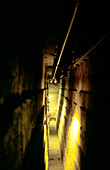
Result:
x=21 y=99
x=20 y=104
x=82 y=124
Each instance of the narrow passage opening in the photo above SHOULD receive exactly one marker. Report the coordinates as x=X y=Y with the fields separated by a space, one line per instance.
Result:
x=54 y=145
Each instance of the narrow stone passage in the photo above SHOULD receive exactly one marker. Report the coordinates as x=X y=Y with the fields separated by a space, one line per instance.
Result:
x=54 y=145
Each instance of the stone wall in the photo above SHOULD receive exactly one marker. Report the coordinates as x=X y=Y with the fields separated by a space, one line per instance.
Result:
x=21 y=101
x=21 y=94
x=82 y=122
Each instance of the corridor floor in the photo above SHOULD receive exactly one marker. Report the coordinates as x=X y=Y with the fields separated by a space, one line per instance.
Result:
x=55 y=162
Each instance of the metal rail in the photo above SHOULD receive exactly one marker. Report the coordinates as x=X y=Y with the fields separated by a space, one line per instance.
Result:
x=73 y=17
x=90 y=50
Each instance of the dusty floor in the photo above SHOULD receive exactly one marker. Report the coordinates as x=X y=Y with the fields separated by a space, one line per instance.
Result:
x=55 y=162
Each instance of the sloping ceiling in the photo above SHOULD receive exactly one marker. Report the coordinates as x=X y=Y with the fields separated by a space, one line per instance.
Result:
x=24 y=25
x=90 y=25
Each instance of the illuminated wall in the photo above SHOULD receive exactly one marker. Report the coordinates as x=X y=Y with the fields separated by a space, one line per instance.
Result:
x=46 y=158
x=75 y=101
x=73 y=140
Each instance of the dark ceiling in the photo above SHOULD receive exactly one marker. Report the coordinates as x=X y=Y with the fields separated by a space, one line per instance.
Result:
x=91 y=22
x=25 y=26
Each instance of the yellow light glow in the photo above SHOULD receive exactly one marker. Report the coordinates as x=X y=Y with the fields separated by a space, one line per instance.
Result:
x=71 y=152
x=50 y=97
x=61 y=122
x=46 y=147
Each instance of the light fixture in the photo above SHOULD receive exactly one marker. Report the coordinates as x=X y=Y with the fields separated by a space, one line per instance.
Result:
x=53 y=81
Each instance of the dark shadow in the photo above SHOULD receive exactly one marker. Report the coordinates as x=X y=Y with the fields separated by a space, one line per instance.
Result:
x=34 y=155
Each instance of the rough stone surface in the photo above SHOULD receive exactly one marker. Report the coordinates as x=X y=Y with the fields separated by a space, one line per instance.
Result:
x=81 y=120
x=21 y=99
